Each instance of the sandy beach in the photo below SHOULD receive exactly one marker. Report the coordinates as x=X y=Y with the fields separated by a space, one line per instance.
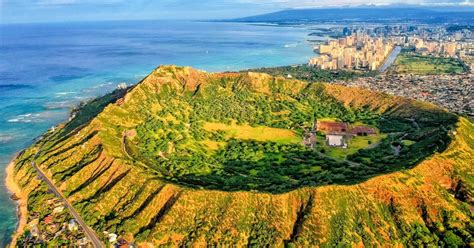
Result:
x=20 y=199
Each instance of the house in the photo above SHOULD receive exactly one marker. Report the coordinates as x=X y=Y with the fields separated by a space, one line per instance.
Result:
x=72 y=225
x=112 y=238
x=48 y=219
x=122 y=243
x=33 y=226
x=336 y=140
x=331 y=127
x=122 y=86
x=362 y=131
x=58 y=209
x=339 y=133
x=83 y=242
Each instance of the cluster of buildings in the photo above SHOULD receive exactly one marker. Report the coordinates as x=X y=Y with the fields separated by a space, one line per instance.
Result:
x=445 y=41
x=462 y=49
x=353 y=52
x=337 y=134
x=366 y=47
x=57 y=225
x=361 y=50
x=453 y=92
x=427 y=47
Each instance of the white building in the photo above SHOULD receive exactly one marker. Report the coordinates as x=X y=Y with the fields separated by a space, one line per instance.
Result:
x=58 y=209
x=112 y=237
x=72 y=225
x=336 y=140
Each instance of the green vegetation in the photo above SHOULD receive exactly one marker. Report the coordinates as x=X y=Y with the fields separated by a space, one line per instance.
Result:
x=426 y=137
x=258 y=147
x=408 y=142
x=259 y=133
x=355 y=144
x=196 y=159
x=232 y=134
x=444 y=232
x=417 y=64
x=312 y=73
x=88 y=110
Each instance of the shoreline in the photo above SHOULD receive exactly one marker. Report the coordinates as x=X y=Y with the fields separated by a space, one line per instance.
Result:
x=20 y=200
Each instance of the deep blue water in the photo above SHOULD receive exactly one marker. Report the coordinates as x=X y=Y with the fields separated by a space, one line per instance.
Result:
x=47 y=68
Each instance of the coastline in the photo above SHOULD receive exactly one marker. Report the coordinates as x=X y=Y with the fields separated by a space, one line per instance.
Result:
x=60 y=90
x=19 y=198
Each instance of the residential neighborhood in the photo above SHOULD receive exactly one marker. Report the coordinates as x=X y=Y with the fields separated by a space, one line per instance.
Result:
x=54 y=226
x=453 y=92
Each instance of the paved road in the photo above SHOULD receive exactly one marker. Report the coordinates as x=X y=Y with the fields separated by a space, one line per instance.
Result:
x=90 y=234
x=391 y=58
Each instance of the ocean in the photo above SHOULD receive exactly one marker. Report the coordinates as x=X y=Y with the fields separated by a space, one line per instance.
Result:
x=46 y=69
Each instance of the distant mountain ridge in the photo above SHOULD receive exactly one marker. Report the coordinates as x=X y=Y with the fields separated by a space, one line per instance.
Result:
x=363 y=14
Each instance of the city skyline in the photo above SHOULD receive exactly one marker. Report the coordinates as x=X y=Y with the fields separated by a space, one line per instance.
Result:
x=86 y=10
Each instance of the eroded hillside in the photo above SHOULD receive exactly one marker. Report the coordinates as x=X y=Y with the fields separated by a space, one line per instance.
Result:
x=176 y=161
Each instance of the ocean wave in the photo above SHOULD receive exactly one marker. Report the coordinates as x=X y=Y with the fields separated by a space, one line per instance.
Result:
x=25 y=118
x=5 y=138
x=59 y=105
x=292 y=45
x=33 y=117
x=65 y=93
x=81 y=98
x=102 y=85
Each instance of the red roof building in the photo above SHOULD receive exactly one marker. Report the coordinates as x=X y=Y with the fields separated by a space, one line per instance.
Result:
x=332 y=127
x=343 y=128
x=48 y=220
x=362 y=130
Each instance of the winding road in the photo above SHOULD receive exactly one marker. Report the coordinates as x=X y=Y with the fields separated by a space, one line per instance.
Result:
x=89 y=233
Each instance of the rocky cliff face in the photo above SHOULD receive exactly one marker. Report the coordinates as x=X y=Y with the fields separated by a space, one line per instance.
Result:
x=97 y=163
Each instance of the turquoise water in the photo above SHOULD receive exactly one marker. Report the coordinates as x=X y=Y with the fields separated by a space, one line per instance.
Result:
x=45 y=69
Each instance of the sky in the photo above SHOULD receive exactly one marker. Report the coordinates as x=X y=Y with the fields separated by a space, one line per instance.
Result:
x=24 y=11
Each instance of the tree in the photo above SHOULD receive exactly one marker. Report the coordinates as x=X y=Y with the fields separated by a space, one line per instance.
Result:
x=452 y=240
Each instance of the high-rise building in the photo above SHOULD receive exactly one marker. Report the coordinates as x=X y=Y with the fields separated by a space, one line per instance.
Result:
x=450 y=48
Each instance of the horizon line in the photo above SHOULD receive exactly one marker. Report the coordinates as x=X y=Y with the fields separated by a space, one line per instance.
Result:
x=433 y=7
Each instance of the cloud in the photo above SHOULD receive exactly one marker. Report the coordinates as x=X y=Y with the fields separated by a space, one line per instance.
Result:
x=79 y=10
x=330 y=3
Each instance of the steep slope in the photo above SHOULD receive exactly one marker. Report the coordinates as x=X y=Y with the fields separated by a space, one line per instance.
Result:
x=147 y=169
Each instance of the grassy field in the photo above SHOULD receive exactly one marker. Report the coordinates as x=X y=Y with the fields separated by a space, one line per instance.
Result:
x=416 y=64
x=355 y=144
x=408 y=142
x=260 y=133
x=333 y=120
